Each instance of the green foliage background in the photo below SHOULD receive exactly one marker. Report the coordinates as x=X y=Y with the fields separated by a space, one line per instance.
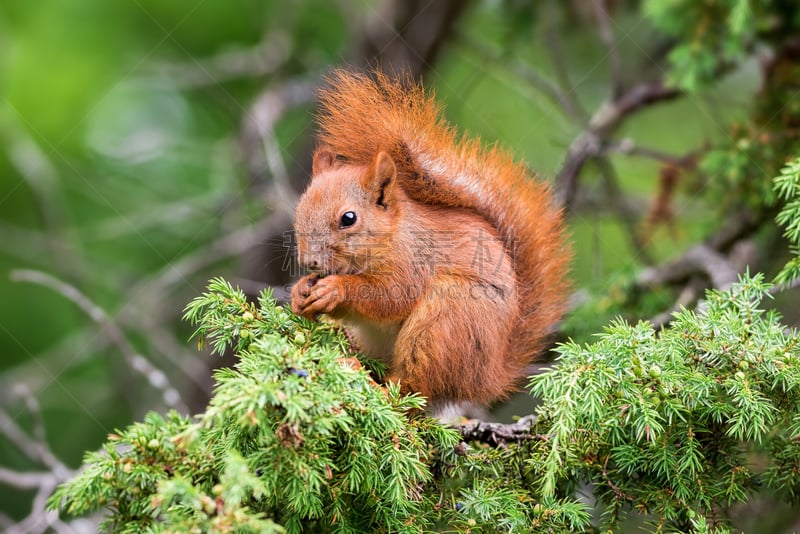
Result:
x=122 y=170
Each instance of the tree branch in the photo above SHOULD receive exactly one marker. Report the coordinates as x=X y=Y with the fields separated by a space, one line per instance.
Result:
x=32 y=405
x=135 y=361
x=592 y=142
x=38 y=450
x=715 y=263
x=708 y=258
x=700 y=258
x=35 y=450
x=257 y=61
x=258 y=129
x=499 y=434
x=227 y=246
x=628 y=147
x=26 y=480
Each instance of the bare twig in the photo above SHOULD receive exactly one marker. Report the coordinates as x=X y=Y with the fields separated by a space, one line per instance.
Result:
x=227 y=246
x=688 y=297
x=177 y=354
x=605 y=121
x=499 y=434
x=257 y=61
x=162 y=217
x=738 y=226
x=715 y=263
x=628 y=147
x=25 y=480
x=609 y=118
x=582 y=149
x=32 y=405
x=596 y=136
x=135 y=361
x=776 y=289
x=621 y=495
x=264 y=166
x=285 y=198
x=35 y=450
x=41 y=520
x=700 y=258
x=30 y=246
x=709 y=258
x=406 y=35
x=260 y=121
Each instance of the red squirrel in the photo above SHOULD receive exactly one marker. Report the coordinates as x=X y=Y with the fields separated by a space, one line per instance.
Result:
x=445 y=259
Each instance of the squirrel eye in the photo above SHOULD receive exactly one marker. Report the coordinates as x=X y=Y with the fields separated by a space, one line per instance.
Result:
x=348 y=219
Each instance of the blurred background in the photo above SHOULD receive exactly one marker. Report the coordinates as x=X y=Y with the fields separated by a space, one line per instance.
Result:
x=147 y=146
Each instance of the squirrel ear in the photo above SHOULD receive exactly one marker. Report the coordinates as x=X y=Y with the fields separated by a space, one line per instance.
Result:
x=380 y=179
x=324 y=159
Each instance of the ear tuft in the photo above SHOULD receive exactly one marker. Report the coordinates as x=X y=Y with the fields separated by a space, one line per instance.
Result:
x=324 y=159
x=383 y=178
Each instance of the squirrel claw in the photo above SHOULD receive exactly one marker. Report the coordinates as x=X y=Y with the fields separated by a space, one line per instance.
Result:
x=313 y=296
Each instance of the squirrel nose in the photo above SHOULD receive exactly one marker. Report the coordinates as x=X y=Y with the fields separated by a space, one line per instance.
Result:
x=310 y=262
x=311 y=254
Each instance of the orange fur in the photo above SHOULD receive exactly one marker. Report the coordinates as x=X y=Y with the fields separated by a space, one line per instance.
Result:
x=455 y=269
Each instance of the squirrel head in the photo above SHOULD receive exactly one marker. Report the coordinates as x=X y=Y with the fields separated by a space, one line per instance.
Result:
x=348 y=216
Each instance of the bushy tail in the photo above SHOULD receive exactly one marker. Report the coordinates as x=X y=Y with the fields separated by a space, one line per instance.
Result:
x=361 y=115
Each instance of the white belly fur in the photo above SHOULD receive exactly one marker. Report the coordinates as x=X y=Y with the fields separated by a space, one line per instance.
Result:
x=374 y=339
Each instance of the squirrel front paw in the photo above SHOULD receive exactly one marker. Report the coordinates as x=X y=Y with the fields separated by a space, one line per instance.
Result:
x=312 y=295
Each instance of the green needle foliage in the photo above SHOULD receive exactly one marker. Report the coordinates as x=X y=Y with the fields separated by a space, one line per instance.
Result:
x=676 y=425
x=295 y=439
x=787 y=186
x=681 y=423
